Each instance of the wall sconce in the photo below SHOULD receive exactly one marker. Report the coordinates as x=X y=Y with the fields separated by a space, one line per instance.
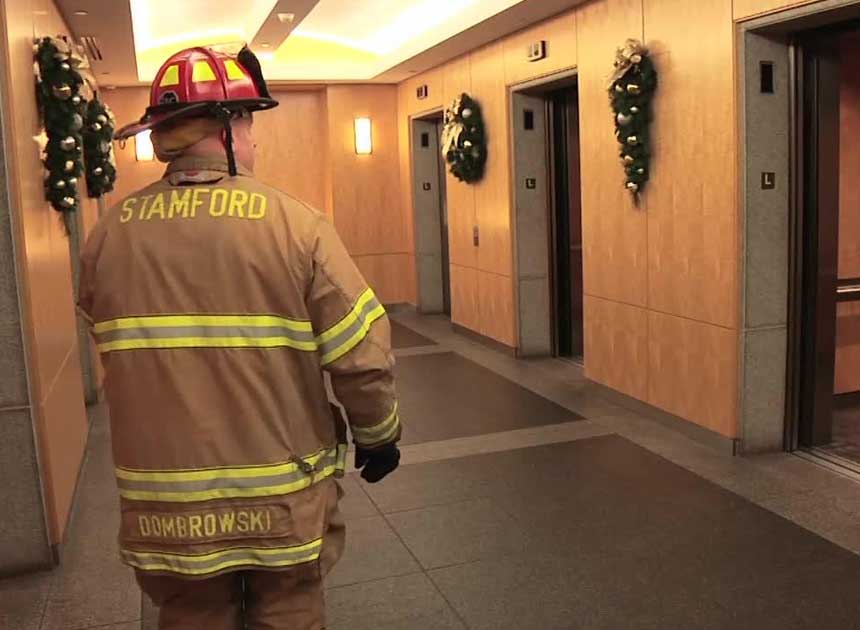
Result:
x=143 y=150
x=363 y=136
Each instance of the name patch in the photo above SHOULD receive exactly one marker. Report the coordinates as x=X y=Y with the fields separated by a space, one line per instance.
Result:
x=189 y=203
x=204 y=525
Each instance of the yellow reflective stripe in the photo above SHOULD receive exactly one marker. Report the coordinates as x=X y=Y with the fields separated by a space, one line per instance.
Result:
x=171 y=321
x=228 y=493
x=202 y=72
x=171 y=77
x=356 y=338
x=207 y=342
x=234 y=72
x=214 y=562
x=348 y=320
x=381 y=432
x=226 y=472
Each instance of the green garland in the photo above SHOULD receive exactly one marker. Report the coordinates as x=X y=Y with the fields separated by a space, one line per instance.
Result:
x=464 y=142
x=58 y=90
x=631 y=91
x=98 y=148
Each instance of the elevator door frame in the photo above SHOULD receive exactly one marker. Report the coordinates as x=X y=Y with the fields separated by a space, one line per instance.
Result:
x=533 y=215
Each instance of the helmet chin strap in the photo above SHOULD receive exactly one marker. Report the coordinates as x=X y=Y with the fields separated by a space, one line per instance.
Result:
x=226 y=118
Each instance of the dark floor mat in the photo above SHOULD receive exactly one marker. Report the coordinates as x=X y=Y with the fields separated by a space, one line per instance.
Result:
x=444 y=396
x=603 y=534
x=403 y=337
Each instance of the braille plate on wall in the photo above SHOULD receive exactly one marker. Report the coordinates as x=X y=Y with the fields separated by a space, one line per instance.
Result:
x=537 y=51
x=767 y=86
x=529 y=120
x=531 y=183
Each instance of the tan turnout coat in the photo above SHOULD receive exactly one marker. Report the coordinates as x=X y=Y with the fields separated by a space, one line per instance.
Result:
x=217 y=304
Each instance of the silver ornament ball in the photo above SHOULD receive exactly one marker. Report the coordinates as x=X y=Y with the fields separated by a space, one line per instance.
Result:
x=634 y=110
x=633 y=187
x=77 y=122
x=623 y=119
x=467 y=113
x=98 y=170
x=96 y=126
x=634 y=89
x=60 y=184
x=65 y=66
x=102 y=119
x=68 y=143
x=73 y=181
x=76 y=99
x=69 y=166
x=632 y=141
x=68 y=202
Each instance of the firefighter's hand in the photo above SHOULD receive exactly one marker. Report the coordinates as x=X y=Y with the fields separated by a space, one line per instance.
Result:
x=376 y=463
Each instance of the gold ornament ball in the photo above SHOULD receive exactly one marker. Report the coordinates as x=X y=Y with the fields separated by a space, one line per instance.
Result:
x=68 y=202
x=619 y=88
x=76 y=99
x=641 y=171
x=98 y=170
x=73 y=181
x=634 y=89
x=59 y=184
x=96 y=126
x=69 y=166
x=636 y=59
x=65 y=66
x=68 y=143
x=633 y=187
x=623 y=119
x=467 y=113
x=102 y=119
x=629 y=159
x=632 y=141
x=634 y=110
x=62 y=92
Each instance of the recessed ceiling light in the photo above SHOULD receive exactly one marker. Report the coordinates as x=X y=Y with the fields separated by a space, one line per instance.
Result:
x=287 y=18
x=266 y=45
x=82 y=13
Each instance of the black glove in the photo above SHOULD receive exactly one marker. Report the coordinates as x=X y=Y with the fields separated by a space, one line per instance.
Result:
x=376 y=463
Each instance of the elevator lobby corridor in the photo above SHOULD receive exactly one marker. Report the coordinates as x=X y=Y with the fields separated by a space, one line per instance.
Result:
x=527 y=499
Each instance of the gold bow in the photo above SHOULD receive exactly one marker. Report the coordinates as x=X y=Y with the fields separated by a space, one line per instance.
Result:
x=626 y=57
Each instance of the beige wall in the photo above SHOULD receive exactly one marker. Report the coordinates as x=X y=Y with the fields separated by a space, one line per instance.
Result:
x=660 y=280
x=750 y=8
x=46 y=275
x=306 y=148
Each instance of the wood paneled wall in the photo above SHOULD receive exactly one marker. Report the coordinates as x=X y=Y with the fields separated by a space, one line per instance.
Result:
x=848 y=314
x=367 y=203
x=306 y=148
x=661 y=278
x=44 y=261
x=750 y=8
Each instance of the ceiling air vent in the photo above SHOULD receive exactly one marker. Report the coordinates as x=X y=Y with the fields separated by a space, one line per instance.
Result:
x=91 y=45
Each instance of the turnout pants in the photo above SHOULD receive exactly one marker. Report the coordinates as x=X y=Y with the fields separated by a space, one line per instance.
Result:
x=245 y=600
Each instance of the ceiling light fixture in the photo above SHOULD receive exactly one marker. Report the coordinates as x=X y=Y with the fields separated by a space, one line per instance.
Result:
x=266 y=45
x=82 y=13
x=286 y=18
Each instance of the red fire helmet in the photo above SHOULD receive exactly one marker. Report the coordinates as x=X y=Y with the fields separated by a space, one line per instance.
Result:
x=204 y=82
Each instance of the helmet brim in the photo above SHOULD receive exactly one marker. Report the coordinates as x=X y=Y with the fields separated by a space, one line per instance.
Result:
x=160 y=115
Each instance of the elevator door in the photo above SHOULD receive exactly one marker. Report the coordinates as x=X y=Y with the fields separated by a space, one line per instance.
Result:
x=566 y=221
x=828 y=239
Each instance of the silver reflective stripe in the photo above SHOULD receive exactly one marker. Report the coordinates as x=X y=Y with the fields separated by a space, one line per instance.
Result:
x=204 y=331
x=190 y=486
x=333 y=347
x=225 y=482
x=381 y=432
x=214 y=562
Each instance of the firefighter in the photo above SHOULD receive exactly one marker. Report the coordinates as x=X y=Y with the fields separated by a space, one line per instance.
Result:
x=218 y=304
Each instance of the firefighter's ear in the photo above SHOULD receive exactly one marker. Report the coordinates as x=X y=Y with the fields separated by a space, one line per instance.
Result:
x=249 y=61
